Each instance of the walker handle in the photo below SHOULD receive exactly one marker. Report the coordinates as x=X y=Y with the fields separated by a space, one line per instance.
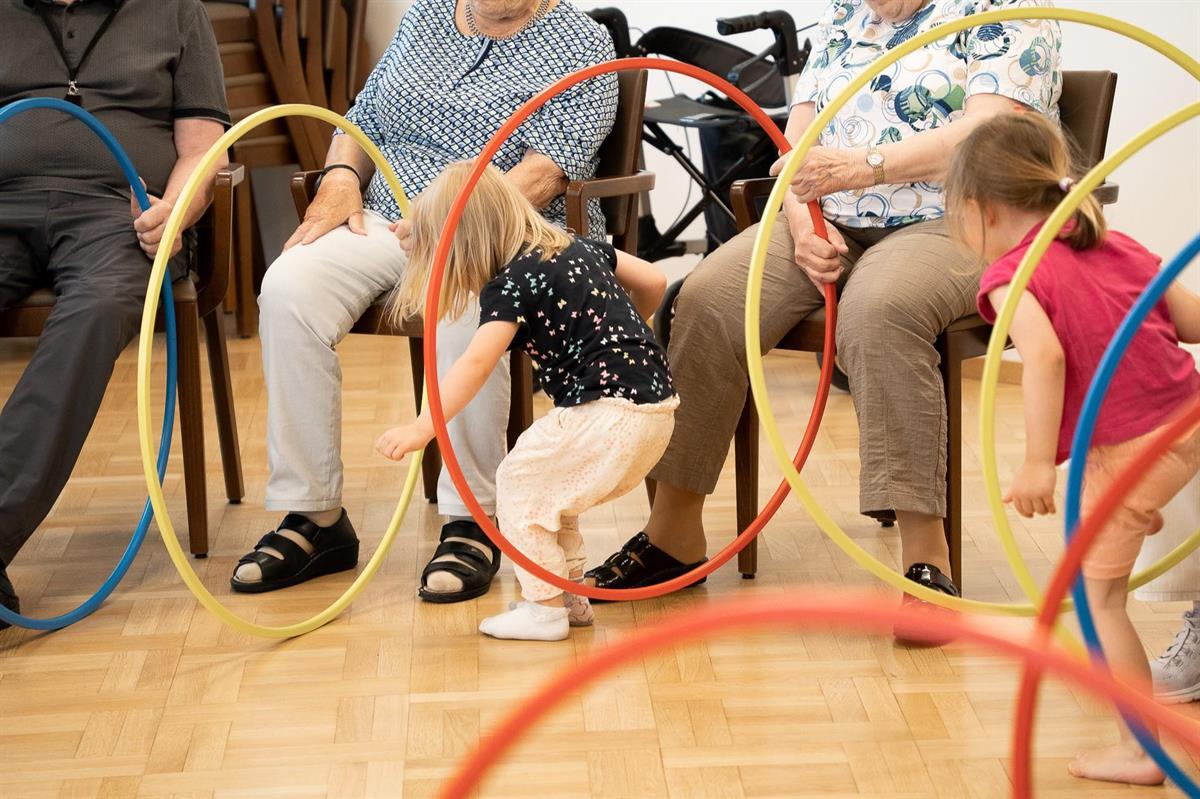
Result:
x=788 y=57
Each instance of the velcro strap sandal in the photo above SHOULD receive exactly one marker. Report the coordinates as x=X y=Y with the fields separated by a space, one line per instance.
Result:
x=335 y=549
x=464 y=560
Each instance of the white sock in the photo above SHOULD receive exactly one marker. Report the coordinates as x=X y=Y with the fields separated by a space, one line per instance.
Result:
x=528 y=621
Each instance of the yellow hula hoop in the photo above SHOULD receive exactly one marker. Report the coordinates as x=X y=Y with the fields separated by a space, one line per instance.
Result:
x=754 y=296
x=150 y=312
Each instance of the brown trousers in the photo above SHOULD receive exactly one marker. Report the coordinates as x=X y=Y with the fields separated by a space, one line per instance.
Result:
x=900 y=290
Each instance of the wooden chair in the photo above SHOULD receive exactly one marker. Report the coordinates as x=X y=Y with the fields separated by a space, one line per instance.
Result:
x=249 y=87
x=617 y=184
x=197 y=298
x=1086 y=108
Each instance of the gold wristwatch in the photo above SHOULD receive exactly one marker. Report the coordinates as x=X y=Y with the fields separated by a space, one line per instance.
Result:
x=875 y=161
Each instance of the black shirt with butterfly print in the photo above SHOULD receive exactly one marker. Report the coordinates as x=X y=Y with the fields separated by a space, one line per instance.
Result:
x=578 y=325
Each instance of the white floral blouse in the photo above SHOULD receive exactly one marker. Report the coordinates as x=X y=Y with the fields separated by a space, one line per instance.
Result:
x=924 y=90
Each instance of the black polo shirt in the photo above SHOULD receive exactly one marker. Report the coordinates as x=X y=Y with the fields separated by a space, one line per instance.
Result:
x=155 y=62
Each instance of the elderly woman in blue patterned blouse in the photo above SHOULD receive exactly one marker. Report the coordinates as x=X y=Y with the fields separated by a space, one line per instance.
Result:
x=877 y=174
x=454 y=72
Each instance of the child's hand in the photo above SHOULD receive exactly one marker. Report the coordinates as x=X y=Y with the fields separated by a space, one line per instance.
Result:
x=1032 y=490
x=399 y=441
x=402 y=229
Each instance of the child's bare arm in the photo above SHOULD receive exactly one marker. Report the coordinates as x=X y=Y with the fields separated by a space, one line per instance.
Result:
x=458 y=388
x=1042 y=384
x=1185 y=313
x=645 y=284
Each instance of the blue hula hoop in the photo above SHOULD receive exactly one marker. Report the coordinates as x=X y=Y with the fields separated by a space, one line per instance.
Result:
x=164 y=445
x=1080 y=444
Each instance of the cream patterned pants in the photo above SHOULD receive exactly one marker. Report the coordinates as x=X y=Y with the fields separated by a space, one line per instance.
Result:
x=568 y=461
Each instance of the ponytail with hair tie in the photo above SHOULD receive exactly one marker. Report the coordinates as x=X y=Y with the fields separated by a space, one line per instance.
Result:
x=1023 y=161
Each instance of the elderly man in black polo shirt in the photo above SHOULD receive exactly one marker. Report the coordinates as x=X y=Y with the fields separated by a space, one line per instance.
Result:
x=150 y=71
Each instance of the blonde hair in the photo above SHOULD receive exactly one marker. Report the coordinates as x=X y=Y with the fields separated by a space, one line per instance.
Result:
x=1024 y=161
x=497 y=225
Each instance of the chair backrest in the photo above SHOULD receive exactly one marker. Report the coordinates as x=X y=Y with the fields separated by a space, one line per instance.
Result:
x=619 y=152
x=1086 y=107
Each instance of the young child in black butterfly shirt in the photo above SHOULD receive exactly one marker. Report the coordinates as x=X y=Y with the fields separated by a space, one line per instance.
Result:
x=576 y=307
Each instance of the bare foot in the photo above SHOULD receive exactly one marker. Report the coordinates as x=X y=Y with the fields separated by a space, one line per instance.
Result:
x=1121 y=763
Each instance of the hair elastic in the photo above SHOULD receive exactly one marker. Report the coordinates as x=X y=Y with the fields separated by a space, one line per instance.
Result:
x=1065 y=183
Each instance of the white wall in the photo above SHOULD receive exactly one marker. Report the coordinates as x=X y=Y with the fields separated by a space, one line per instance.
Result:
x=1160 y=189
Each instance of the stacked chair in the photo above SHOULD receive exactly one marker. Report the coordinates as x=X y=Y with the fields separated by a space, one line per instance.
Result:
x=283 y=51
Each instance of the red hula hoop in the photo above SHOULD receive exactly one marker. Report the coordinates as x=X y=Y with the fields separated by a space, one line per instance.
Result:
x=865 y=611
x=450 y=461
x=1064 y=576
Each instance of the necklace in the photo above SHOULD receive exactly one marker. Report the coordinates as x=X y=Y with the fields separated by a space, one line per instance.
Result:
x=473 y=26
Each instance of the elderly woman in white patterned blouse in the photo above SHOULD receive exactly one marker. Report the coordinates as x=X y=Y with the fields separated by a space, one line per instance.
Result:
x=877 y=173
x=456 y=70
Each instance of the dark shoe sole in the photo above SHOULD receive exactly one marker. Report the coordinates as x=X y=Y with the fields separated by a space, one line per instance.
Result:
x=659 y=577
x=329 y=561
x=450 y=597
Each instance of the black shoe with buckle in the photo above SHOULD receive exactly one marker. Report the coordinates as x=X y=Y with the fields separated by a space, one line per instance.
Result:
x=639 y=563
x=931 y=577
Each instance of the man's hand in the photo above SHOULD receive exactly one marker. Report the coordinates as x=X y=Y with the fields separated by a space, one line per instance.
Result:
x=826 y=170
x=1032 y=490
x=397 y=442
x=403 y=230
x=149 y=225
x=338 y=201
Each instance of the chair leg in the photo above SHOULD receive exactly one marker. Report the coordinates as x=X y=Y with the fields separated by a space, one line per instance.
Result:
x=431 y=464
x=222 y=388
x=745 y=458
x=191 y=423
x=520 y=409
x=951 y=369
x=243 y=262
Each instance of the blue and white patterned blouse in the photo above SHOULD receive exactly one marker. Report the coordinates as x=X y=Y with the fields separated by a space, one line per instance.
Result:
x=924 y=90
x=432 y=99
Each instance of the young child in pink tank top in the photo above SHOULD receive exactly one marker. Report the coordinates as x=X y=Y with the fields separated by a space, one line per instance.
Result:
x=1005 y=180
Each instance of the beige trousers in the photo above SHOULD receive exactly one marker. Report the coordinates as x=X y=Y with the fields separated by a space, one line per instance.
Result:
x=311 y=297
x=568 y=461
x=900 y=290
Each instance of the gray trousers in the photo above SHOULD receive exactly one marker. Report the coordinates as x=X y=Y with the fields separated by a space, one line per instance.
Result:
x=900 y=290
x=83 y=247
x=311 y=296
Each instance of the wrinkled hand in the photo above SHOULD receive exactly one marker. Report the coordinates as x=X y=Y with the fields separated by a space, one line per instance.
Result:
x=397 y=442
x=149 y=225
x=1032 y=490
x=338 y=202
x=825 y=170
x=403 y=230
x=820 y=259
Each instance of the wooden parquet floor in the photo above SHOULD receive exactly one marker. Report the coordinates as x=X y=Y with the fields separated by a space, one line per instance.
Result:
x=153 y=697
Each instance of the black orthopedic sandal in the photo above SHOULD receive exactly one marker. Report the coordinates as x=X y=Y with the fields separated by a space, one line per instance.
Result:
x=8 y=596
x=335 y=549
x=472 y=566
x=639 y=563
x=929 y=576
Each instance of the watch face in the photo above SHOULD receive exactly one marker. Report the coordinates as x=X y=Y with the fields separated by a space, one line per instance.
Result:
x=875 y=158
